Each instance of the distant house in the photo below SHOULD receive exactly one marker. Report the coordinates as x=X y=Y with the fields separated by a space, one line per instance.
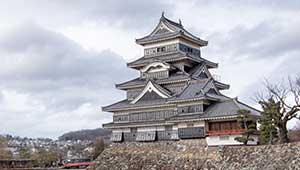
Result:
x=175 y=97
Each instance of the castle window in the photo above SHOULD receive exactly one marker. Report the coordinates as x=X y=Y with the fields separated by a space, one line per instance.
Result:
x=161 y=49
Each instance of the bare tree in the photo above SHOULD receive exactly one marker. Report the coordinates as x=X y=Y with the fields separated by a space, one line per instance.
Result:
x=287 y=96
x=98 y=148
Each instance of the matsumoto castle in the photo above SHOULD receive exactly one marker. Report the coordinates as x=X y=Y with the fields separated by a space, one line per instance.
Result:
x=175 y=97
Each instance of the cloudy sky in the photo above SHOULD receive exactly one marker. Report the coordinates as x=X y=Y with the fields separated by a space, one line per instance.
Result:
x=59 y=60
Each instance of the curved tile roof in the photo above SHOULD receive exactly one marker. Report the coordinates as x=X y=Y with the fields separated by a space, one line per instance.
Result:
x=176 y=30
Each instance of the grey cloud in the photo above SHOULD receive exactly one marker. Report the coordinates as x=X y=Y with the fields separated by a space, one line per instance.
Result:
x=58 y=76
x=289 y=67
x=129 y=14
x=266 y=40
x=40 y=53
x=257 y=4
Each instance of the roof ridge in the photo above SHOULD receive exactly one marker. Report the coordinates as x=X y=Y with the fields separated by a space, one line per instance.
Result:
x=235 y=99
x=103 y=108
x=186 y=86
x=208 y=81
x=160 y=87
x=172 y=22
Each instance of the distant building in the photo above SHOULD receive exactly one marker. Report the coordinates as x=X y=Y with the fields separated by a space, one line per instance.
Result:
x=175 y=97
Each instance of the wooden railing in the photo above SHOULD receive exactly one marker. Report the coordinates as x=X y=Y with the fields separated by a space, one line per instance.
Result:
x=225 y=132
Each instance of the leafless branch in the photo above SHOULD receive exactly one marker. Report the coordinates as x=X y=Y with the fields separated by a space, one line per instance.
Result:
x=279 y=91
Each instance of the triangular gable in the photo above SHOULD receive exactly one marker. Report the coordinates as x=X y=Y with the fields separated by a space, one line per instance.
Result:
x=212 y=91
x=150 y=96
x=203 y=75
x=210 y=87
x=203 y=71
x=161 y=28
x=150 y=87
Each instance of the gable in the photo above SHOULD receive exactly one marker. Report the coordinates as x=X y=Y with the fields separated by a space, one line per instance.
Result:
x=150 y=96
x=162 y=31
x=212 y=91
x=149 y=90
x=202 y=75
x=161 y=28
x=211 y=88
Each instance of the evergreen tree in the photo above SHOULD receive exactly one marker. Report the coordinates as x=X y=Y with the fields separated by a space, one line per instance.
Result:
x=247 y=123
x=286 y=97
x=268 y=121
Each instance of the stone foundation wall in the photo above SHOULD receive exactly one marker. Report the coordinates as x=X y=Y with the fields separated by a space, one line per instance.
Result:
x=193 y=155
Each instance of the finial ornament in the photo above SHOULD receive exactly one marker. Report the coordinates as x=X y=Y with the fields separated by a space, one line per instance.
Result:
x=163 y=14
x=180 y=21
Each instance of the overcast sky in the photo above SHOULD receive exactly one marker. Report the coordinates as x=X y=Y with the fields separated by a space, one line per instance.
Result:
x=59 y=60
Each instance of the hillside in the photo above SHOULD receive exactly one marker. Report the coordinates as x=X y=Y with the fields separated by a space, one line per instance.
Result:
x=86 y=134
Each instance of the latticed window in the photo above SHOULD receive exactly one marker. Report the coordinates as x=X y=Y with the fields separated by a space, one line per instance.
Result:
x=190 y=109
x=188 y=49
x=219 y=126
x=159 y=50
x=149 y=116
x=157 y=75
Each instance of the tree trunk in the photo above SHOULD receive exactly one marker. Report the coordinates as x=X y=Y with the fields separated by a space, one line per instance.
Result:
x=283 y=133
x=270 y=137
x=247 y=138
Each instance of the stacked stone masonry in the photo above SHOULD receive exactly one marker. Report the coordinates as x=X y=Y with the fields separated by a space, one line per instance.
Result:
x=195 y=155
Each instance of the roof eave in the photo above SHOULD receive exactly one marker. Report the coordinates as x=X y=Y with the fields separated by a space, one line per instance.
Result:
x=106 y=109
x=137 y=66
x=210 y=64
x=193 y=99
x=126 y=87
x=145 y=40
x=222 y=86
x=138 y=107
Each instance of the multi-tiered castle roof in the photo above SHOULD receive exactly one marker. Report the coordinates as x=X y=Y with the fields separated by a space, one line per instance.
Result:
x=174 y=86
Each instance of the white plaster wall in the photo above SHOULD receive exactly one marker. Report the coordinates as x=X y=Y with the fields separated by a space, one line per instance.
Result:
x=182 y=125
x=161 y=43
x=121 y=130
x=215 y=140
x=144 y=129
x=175 y=127
x=160 y=128
x=171 y=42
x=199 y=124
x=116 y=130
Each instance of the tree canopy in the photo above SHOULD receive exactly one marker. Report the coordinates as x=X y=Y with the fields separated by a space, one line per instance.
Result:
x=284 y=98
